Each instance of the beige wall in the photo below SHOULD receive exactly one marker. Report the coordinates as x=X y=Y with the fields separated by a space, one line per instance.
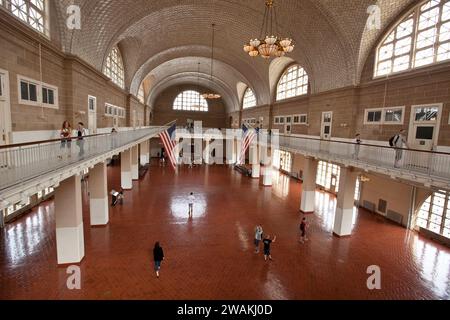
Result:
x=75 y=80
x=163 y=111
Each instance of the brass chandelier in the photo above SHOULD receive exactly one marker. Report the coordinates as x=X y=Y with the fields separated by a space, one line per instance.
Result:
x=270 y=46
x=212 y=95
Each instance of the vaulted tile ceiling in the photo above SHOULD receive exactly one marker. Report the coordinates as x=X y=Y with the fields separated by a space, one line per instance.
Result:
x=166 y=39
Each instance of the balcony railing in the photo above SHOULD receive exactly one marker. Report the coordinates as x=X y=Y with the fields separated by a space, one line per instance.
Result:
x=429 y=163
x=22 y=162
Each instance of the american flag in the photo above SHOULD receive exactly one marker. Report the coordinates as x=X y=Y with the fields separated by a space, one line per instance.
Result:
x=249 y=134
x=169 y=144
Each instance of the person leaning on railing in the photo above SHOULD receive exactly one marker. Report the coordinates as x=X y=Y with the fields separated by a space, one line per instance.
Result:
x=66 y=142
x=399 y=142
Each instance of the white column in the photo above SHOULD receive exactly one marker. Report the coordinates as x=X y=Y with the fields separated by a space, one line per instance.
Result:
x=98 y=191
x=267 y=169
x=135 y=163
x=145 y=153
x=207 y=152
x=125 y=170
x=69 y=221
x=308 y=200
x=254 y=161
x=343 y=221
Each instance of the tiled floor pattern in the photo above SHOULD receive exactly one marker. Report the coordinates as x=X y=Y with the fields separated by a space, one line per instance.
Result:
x=211 y=256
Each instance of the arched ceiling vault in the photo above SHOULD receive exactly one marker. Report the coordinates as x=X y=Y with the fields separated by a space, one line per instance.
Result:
x=193 y=78
x=332 y=41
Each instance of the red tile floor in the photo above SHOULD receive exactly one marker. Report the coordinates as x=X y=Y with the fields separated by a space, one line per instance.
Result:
x=211 y=256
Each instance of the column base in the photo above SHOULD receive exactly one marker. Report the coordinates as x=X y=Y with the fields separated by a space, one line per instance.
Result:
x=256 y=171
x=341 y=237
x=135 y=171
x=99 y=212
x=308 y=202
x=343 y=222
x=127 y=181
x=144 y=160
x=70 y=245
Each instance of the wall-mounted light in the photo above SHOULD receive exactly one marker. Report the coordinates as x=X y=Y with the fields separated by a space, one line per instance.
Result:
x=344 y=125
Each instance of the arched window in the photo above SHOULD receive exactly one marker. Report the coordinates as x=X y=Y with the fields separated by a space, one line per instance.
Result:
x=32 y=12
x=249 y=99
x=190 y=101
x=114 y=67
x=434 y=214
x=141 y=94
x=421 y=39
x=293 y=83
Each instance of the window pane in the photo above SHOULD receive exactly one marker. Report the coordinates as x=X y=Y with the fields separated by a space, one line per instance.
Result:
x=51 y=97
x=44 y=95
x=429 y=18
x=403 y=46
x=444 y=52
x=393 y=115
x=401 y=63
x=24 y=91
x=424 y=57
x=405 y=28
x=33 y=92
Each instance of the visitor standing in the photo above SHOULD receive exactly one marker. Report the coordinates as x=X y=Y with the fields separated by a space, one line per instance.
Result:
x=267 y=242
x=191 y=200
x=158 y=257
x=258 y=237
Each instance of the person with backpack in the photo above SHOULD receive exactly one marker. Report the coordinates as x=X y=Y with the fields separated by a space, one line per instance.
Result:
x=158 y=257
x=398 y=142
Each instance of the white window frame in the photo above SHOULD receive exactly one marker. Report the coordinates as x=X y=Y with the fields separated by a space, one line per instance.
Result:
x=288 y=119
x=299 y=122
x=276 y=120
x=383 y=116
x=249 y=99
x=366 y=114
x=95 y=103
x=415 y=14
x=39 y=86
x=402 y=108
x=114 y=111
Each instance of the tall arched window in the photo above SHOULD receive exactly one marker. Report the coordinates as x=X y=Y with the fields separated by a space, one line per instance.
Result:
x=190 y=101
x=32 y=12
x=293 y=83
x=434 y=214
x=420 y=39
x=249 y=99
x=114 y=67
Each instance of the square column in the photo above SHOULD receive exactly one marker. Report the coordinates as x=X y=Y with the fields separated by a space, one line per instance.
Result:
x=343 y=221
x=69 y=221
x=207 y=152
x=125 y=170
x=267 y=169
x=135 y=163
x=254 y=161
x=308 y=200
x=98 y=190
x=145 y=153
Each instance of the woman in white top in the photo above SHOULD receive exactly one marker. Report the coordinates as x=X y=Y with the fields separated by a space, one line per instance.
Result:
x=191 y=200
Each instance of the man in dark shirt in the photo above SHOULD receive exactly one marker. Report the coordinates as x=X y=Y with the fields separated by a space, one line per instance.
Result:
x=267 y=242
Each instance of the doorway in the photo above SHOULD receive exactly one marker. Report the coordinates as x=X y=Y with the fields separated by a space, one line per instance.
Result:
x=423 y=134
x=424 y=126
x=327 y=122
x=92 y=116
x=5 y=115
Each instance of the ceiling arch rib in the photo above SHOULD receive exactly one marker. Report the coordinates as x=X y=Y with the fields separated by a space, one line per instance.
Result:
x=224 y=64
x=223 y=73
